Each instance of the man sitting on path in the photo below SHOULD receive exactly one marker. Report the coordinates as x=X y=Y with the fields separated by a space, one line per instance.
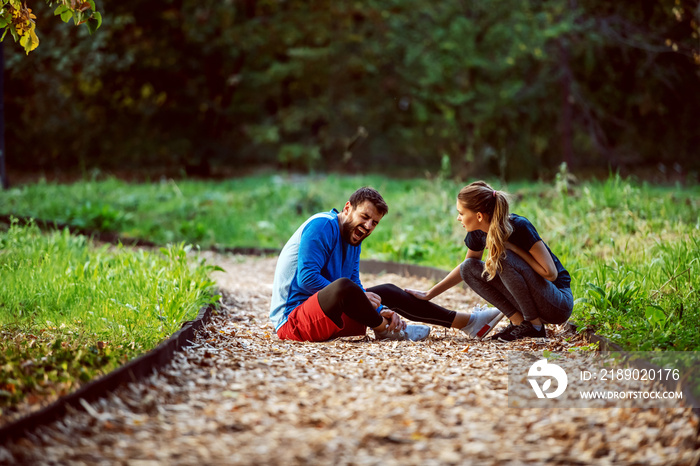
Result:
x=317 y=294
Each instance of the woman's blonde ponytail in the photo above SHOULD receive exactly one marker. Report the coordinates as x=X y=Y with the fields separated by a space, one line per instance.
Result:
x=499 y=232
x=480 y=197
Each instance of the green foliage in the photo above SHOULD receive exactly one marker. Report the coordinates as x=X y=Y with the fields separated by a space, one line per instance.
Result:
x=647 y=305
x=101 y=217
x=632 y=248
x=499 y=88
x=18 y=20
x=70 y=311
x=55 y=362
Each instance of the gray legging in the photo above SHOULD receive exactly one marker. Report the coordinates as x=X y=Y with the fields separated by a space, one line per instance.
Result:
x=518 y=288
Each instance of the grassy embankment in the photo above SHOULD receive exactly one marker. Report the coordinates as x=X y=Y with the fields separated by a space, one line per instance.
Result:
x=70 y=311
x=632 y=248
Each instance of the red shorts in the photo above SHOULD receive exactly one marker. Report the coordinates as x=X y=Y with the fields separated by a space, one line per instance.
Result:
x=307 y=322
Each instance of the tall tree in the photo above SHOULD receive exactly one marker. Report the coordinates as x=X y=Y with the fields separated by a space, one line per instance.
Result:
x=510 y=88
x=17 y=19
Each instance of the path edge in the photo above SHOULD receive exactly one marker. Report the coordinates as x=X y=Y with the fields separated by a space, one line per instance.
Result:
x=136 y=369
x=604 y=344
x=155 y=359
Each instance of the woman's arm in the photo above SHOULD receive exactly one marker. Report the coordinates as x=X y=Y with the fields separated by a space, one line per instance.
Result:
x=452 y=279
x=478 y=255
x=538 y=258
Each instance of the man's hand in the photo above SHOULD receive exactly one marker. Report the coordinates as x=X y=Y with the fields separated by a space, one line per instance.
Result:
x=374 y=298
x=395 y=321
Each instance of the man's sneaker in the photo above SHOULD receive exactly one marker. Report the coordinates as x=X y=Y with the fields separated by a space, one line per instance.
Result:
x=411 y=332
x=482 y=321
x=524 y=330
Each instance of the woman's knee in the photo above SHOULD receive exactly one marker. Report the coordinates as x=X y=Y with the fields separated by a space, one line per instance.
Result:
x=471 y=269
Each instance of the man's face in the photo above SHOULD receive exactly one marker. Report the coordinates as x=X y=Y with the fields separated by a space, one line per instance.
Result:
x=359 y=222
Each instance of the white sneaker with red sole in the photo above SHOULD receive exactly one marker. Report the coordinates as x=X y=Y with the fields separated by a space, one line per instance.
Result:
x=482 y=321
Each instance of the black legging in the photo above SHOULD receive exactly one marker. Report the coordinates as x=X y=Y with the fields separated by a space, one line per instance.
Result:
x=344 y=296
x=413 y=308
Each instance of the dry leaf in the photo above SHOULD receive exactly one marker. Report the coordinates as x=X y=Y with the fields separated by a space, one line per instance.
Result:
x=240 y=395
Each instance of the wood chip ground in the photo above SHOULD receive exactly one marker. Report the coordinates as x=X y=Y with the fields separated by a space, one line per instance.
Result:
x=242 y=396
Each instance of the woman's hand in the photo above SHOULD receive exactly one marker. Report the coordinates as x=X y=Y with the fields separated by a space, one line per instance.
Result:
x=418 y=294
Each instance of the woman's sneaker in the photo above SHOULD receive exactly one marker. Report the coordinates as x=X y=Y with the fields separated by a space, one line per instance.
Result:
x=503 y=332
x=411 y=332
x=518 y=332
x=482 y=321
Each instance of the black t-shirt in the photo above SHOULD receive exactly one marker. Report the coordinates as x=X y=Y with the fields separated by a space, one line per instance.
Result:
x=524 y=236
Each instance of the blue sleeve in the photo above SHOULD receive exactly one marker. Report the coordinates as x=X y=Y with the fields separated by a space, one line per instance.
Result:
x=356 y=273
x=314 y=250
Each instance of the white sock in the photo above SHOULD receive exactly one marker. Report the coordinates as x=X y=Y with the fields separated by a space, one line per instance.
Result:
x=476 y=321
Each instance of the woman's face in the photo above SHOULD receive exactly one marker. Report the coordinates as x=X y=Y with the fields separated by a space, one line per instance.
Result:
x=471 y=220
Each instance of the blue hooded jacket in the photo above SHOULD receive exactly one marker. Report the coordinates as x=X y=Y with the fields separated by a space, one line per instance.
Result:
x=315 y=256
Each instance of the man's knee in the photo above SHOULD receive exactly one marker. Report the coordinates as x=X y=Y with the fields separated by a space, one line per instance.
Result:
x=343 y=287
x=335 y=297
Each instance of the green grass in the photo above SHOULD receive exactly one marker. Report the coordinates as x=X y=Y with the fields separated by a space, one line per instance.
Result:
x=70 y=311
x=631 y=247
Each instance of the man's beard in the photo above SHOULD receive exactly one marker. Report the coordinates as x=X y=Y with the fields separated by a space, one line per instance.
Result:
x=349 y=236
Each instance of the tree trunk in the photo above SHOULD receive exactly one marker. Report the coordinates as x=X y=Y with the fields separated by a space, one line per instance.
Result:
x=566 y=113
x=3 y=174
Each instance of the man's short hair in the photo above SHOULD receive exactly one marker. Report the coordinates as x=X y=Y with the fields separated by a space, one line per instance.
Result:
x=372 y=195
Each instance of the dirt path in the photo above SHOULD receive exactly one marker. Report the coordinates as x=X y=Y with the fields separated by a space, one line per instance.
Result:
x=242 y=396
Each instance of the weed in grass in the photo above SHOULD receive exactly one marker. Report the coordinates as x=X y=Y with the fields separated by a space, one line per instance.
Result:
x=96 y=216
x=646 y=304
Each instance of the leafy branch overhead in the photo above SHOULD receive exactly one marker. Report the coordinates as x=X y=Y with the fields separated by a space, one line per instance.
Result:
x=18 y=19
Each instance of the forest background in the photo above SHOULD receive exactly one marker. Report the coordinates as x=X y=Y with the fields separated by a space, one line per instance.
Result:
x=508 y=89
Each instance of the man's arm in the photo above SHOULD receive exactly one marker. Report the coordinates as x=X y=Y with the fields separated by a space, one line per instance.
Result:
x=374 y=298
x=314 y=251
x=452 y=279
x=356 y=273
